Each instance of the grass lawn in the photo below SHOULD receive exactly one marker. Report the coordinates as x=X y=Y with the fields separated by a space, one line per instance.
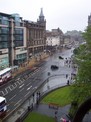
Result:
x=36 y=117
x=60 y=96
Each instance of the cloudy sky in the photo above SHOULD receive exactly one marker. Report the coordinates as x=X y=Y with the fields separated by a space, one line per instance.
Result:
x=65 y=14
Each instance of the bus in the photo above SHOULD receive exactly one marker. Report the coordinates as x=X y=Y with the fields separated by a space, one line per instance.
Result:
x=3 y=106
x=5 y=75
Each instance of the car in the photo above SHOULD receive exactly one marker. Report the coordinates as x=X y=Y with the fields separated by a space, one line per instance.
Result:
x=53 y=67
x=60 y=57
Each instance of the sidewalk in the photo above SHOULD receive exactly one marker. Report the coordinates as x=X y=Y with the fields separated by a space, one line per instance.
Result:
x=30 y=64
x=45 y=110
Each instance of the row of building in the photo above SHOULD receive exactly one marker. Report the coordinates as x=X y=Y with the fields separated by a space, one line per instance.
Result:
x=20 y=39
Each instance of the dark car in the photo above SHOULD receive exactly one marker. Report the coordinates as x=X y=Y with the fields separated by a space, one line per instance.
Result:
x=54 y=67
x=60 y=57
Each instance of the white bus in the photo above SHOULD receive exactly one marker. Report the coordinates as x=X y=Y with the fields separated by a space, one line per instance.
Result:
x=3 y=106
x=5 y=75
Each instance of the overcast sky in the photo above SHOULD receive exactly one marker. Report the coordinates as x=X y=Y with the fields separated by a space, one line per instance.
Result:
x=65 y=14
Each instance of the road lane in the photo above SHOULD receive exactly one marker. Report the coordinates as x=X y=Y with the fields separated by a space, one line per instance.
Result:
x=19 y=91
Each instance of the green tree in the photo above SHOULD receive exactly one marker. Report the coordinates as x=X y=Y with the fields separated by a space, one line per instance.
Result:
x=81 y=89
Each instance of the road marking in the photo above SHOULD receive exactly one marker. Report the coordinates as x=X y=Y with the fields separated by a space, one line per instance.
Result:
x=6 y=90
x=35 y=71
x=19 y=82
x=35 y=87
x=28 y=84
x=21 y=89
x=18 y=102
x=2 y=93
x=21 y=86
x=23 y=80
x=11 y=87
x=27 y=94
x=18 y=79
x=29 y=88
x=8 y=110
x=12 y=97
x=15 y=85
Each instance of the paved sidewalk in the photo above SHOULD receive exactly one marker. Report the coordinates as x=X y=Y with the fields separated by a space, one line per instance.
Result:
x=30 y=64
x=61 y=112
x=45 y=110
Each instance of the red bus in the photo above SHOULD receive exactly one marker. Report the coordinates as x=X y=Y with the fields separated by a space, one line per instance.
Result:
x=5 y=75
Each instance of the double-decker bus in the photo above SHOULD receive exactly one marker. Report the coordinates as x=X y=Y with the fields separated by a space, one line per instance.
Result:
x=3 y=106
x=5 y=75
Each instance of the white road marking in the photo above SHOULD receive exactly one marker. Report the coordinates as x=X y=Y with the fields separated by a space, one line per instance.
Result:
x=35 y=71
x=8 y=110
x=12 y=97
x=21 y=86
x=29 y=88
x=2 y=93
x=28 y=84
x=27 y=94
x=6 y=91
x=35 y=87
x=15 y=85
x=21 y=89
x=23 y=80
x=11 y=87
x=18 y=102
x=19 y=82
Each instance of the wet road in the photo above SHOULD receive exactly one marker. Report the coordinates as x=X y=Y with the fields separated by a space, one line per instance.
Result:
x=17 y=92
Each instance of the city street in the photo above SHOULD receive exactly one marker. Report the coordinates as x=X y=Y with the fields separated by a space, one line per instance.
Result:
x=16 y=92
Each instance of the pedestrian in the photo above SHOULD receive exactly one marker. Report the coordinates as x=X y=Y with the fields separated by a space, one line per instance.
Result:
x=66 y=76
x=39 y=95
x=67 y=82
x=56 y=115
x=56 y=112
x=63 y=120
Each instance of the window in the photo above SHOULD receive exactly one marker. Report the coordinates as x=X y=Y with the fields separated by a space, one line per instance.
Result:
x=18 y=37
x=2 y=110
x=3 y=102
x=3 y=45
x=18 y=43
x=17 y=23
x=4 y=30
x=4 y=38
x=18 y=31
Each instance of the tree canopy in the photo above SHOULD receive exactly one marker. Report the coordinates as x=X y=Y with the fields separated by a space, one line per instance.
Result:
x=81 y=89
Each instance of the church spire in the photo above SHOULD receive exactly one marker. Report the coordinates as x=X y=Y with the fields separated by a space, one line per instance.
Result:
x=41 y=20
x=41 y=13
x=41 y=17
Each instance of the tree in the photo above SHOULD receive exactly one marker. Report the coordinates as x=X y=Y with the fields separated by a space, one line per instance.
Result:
x=81 y=89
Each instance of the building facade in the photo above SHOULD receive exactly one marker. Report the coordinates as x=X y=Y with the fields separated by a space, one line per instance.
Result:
x=36 y=35
x=12 y=40
x=19 y=39
x=54 y=38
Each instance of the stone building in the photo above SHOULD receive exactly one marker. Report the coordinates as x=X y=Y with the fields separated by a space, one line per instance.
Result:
x=36 y=35
x=54 y=38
